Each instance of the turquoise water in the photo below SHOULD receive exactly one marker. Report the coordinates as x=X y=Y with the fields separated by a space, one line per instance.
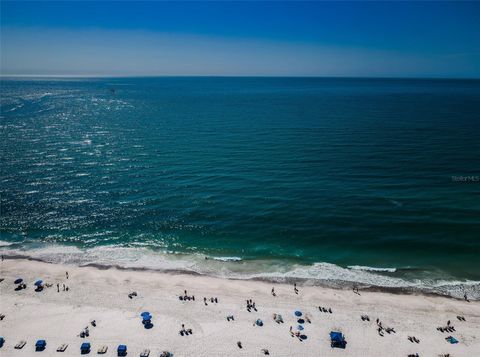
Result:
x=351 y=172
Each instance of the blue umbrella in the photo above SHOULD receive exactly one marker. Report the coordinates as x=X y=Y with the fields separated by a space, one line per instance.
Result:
x=38 y=282
x=18 y=281
x=303 y=337
x=147 y=317
x=298 y=313
x=145 y=313
x=301 y=321
x=299 y=327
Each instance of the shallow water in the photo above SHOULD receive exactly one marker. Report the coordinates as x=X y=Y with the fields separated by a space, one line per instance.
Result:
x=290 y=171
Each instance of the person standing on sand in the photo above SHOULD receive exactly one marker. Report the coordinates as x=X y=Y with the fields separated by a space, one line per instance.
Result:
x=273 y=291
x=295 y=288
x=58 y=287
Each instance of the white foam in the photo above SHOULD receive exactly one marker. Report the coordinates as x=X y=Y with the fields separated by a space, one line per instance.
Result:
x=235 y=267
x=366 y=268
x=226 y=259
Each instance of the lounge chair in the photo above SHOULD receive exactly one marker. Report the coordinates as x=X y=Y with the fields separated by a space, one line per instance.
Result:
x=20 y=345
x=337 y=340
x=85 y=348
x=102 y=350
x=40 y=345
x=62 y=347
x=145 y=353
x=122 y=350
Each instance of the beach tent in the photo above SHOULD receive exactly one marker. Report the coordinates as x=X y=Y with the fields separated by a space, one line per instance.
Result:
x=451 y=340
x=122 y=350
x=85 y=348
x=18 y=281
x=337 y=340
x=40 y=345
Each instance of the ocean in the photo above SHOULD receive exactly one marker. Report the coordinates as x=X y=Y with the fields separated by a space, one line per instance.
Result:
x=331 y=181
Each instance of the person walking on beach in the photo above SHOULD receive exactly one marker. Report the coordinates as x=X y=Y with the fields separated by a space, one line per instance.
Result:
x=295 y=288
x=58 y=287
x=63 y=287
x=66 y=274
x=273 y=291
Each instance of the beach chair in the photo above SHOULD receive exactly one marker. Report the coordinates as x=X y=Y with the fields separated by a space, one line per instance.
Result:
x=337 y=340
x=20 y=345
x=2 y=341
x=102 y=350
x=145 y=353
x=40 y=345
x=122 y=350
x=85 y=348
x=62 y=347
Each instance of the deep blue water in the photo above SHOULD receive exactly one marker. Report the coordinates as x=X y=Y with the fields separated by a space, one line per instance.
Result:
x=343 y=171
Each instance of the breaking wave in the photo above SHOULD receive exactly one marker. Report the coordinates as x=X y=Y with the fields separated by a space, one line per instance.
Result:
x=321 y=273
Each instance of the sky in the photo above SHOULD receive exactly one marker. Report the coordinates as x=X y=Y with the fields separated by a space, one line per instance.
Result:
x=225 y=38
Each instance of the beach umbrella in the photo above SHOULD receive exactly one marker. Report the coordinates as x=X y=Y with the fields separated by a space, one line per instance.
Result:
x=303 y=337
x=298 y=313
x=18 y=281
x=147 y=317
x=145 y=313
x=299 y=327
x=38 y=282
x=301 y=321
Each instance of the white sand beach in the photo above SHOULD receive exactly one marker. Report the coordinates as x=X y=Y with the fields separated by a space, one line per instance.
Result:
x=102 y=295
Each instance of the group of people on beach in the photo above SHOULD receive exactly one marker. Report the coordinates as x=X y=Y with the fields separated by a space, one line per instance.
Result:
x=251 y=305
x=65 y=287
x=185 y=332
x=448 y=328
x=212 y=300
x=86 y=332
x=324 y=309
x=186 y=297
x=381 y=328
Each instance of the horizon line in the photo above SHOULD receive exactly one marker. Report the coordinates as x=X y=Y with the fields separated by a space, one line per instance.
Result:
x=93 y=76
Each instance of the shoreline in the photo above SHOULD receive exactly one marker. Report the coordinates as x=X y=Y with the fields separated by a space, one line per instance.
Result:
x=285 y=281
x=318 y=274
x=101 y=294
